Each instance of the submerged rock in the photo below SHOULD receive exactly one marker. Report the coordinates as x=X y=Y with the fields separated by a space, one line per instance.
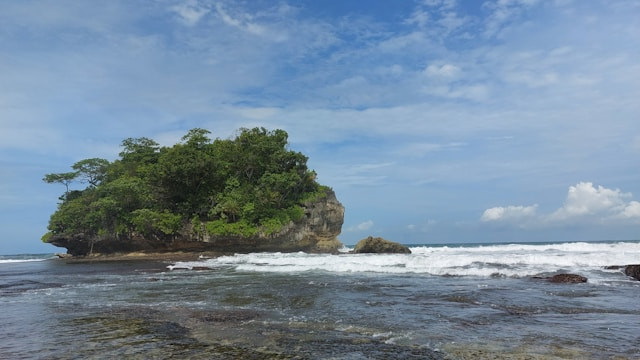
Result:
x=614 y=267
x=633 y=271
x=378 y=245
x=567 y=279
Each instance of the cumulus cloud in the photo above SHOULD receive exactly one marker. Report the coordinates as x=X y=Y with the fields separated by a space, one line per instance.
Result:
x=584 y=202
x=632 y=210
x=509 y=213
x=362 y=226
x=584 y=199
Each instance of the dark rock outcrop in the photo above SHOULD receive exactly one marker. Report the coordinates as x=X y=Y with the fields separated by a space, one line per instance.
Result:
x=567 y=279
x=378 y=245
x=317 y=231
x=614 y=267
x=632 y=271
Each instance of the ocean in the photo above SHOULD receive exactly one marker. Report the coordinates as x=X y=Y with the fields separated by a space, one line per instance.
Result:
x=468 y=301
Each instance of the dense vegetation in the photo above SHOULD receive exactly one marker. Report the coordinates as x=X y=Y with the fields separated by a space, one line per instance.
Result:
x=236 y=187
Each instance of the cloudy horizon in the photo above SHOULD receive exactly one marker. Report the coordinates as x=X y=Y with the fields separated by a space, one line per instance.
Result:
x=435 y=121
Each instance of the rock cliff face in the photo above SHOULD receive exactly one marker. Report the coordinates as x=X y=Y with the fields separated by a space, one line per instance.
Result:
x=317 y=231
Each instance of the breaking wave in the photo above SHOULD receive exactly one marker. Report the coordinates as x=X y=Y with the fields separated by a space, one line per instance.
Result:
x=510 y=260
x=6 y=259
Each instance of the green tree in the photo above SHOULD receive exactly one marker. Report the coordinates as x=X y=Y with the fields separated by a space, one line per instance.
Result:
x=197 y=138
x=63 y=178
x=149 y=222
x=136 y=158
x=92 y=170
x=242 y=186
x=187 y=176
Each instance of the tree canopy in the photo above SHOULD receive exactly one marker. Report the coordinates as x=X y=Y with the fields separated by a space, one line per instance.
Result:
x=242 y=186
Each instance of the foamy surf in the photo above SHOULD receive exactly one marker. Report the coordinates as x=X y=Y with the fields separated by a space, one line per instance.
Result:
x=11 y=259
x=509 y=260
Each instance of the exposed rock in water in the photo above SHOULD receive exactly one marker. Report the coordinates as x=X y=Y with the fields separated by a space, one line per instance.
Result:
x=614 y=267
x=378 y=245
x=317 y=232
x=633 y=271
x=567 y=279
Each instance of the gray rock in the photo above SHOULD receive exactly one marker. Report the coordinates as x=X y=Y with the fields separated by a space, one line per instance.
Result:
x=632 y=271
x=378 y=245
x=567 y=279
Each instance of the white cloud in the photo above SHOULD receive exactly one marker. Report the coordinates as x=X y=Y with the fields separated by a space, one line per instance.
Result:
x=374 y=174
x=474 y=92
x=445 y=70
x=438 y=18
x=420 y=149
x=241 y=21
x=362 y=226
x=504 y=12
x=509 y=213
x=632 y=210
x=189 y=12
x=533 y=80
x=584 y=203
x=584 y=200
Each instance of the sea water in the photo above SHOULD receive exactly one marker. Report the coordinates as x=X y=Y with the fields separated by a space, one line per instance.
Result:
x=440 y=302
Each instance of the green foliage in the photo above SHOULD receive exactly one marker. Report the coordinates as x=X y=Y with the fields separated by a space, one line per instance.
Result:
x=198 y=226
x=280 y=219
x=63 y=178
x=149 y=222
x=234 y=187
x=312 y=196
x=92 y=170
x=46 y=237
x=239 y=228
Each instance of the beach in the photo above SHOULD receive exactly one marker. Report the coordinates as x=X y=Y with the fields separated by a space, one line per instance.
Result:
x=440 y=302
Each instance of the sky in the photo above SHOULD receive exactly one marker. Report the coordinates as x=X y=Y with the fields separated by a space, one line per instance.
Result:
x=435 y=121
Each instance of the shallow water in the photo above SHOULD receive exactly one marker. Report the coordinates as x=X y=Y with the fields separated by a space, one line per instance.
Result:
x=438 y=303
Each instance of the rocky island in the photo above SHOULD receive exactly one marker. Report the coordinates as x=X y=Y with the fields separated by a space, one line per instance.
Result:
x=245 y=194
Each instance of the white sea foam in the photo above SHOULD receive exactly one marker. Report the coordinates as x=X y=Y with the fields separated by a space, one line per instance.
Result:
x=488 y=260
x=19 y=258
x=12 y=261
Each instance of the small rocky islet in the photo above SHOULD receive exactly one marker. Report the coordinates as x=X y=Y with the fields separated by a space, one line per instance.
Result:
x=247 y=194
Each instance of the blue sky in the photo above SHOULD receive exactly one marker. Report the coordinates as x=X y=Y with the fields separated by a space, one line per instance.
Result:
x=434 y=121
